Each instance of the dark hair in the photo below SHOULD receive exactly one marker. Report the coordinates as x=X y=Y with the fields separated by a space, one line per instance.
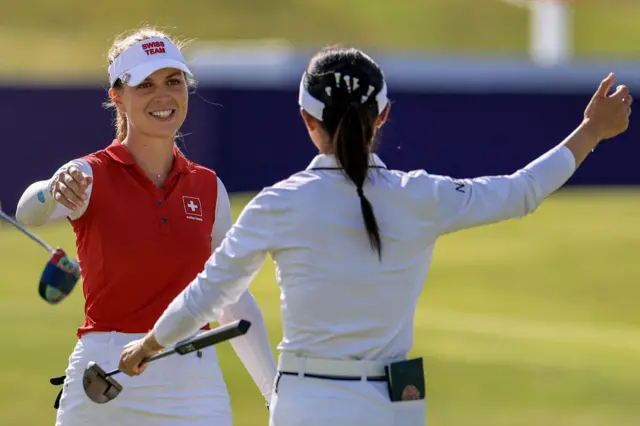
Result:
x=347 y=81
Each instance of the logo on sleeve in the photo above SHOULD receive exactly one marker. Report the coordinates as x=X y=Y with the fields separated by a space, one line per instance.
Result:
x=460 y=185
x=192 y=208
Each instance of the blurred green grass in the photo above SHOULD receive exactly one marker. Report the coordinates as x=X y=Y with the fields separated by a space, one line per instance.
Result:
x=524 y=323
x=68 y=39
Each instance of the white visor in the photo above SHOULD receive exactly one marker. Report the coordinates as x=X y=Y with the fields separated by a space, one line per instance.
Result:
x=315 y=107
x=143 y=59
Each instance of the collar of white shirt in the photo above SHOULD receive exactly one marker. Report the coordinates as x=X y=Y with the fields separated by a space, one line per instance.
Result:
x=329 y=161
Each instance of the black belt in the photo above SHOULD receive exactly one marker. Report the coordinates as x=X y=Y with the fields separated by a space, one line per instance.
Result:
x=329 y=377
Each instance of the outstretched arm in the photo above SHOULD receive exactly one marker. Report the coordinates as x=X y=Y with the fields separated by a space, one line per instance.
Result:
x=458 y=204
x=53 y=199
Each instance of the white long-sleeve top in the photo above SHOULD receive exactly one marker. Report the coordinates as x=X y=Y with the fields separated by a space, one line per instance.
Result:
x=37 y=207
x=337 y=299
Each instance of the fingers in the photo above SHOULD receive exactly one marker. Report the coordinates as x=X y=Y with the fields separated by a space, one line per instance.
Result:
x=126 y=366
x=77 y=175
x=622 y=92
x=70 y=186
x=77 y=190
x=610 y=114
x=132 y=359
x=67 y=196
x=130 y=368
x=628 y=101
x=58 y=195
x=605 y=86
x=623 y=96
x=76 y=181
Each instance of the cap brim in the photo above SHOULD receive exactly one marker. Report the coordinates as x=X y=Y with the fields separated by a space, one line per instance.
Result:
x=139 y=73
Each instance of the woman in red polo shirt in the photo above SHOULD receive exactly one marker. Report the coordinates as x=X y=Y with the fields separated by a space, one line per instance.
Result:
x=145 y=220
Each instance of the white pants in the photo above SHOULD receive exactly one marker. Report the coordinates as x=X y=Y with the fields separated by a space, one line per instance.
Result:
x=304 y=401
x=176 y=390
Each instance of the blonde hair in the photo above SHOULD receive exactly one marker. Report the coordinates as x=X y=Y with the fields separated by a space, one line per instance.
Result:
x=122 y=43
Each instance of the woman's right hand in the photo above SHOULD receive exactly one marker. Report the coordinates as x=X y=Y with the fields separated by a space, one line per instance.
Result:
x=69 y=187
x=608 y=115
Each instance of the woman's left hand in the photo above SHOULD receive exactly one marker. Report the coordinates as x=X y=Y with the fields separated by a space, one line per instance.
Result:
x=134 y=353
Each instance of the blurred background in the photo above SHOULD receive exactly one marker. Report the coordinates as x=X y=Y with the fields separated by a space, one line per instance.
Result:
x=523 y=323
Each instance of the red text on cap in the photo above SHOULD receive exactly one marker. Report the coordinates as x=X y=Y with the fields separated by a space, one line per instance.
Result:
x=153 y=47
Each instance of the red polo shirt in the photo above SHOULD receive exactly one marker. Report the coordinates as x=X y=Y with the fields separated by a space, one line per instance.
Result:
x=138 y=245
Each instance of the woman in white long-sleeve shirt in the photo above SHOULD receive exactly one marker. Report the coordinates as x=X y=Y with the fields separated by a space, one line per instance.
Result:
x=145 y=220
x=352 y=242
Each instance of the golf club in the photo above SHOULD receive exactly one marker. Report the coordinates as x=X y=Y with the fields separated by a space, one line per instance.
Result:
x=61 y=272
x=101 y=387
x=26 y=231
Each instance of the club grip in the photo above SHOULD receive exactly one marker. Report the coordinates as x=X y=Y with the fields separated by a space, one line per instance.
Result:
x=208 y=338
x=212 y=337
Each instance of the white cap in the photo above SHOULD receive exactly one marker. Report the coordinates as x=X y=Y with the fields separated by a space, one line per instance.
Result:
x=143 y=59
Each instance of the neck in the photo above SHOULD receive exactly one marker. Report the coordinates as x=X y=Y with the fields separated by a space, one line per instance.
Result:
x=153 y=155
x=323 y=146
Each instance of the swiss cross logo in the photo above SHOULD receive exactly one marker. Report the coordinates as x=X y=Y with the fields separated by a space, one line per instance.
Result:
x=154 y=47
x=192 y=207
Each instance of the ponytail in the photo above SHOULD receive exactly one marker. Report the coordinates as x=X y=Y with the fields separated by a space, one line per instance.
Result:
x=351 y=143
x=344 y=89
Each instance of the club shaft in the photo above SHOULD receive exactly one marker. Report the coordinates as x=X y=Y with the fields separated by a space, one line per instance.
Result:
x=208 y=338
x=25 y=231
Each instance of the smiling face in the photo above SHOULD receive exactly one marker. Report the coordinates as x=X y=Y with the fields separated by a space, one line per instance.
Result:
x=157 y=107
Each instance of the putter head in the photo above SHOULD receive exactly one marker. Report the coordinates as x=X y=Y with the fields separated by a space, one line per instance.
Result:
x=59 y=277
x=98 y=387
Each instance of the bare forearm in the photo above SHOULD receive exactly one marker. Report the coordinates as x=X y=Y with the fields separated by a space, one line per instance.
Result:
x=582 y=141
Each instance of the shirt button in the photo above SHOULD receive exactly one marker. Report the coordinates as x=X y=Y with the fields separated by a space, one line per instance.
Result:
x=164 y=220
x=159 y=202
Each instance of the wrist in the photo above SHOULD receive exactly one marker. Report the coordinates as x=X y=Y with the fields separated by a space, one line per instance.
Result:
x=592 y=130
x=150 y=345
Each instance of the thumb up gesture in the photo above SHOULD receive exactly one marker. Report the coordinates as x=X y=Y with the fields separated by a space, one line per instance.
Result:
x=608 y=115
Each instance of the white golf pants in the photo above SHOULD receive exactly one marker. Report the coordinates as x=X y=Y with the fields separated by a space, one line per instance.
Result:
x=307 y=401
x=173 y=391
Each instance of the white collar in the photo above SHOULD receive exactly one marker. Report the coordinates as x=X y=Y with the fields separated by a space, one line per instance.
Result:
x=330 y=161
